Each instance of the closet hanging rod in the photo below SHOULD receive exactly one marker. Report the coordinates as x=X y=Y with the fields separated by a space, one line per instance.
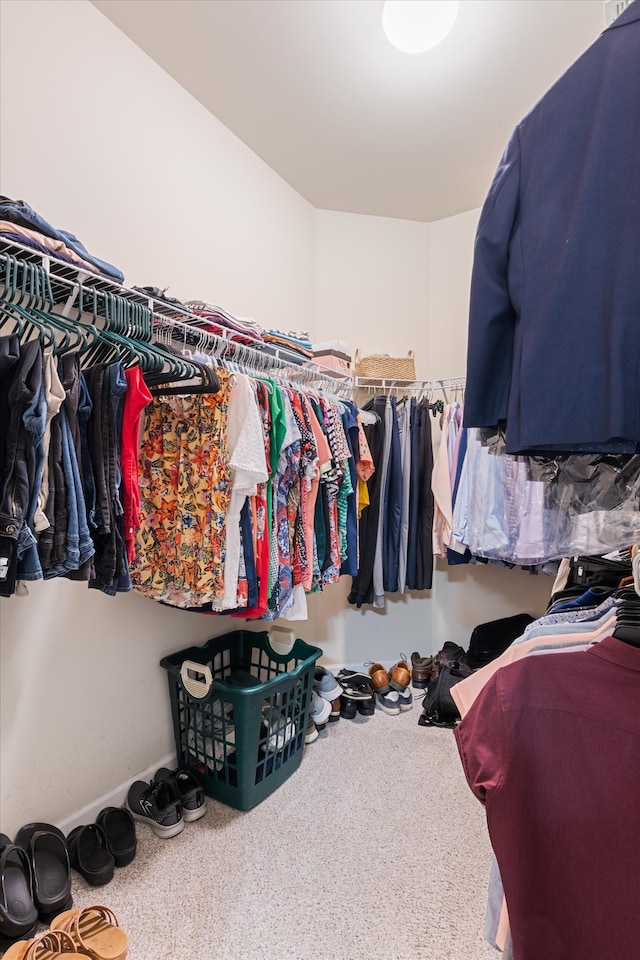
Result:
x=265 y=358
x=409 y=386
x=186 y=329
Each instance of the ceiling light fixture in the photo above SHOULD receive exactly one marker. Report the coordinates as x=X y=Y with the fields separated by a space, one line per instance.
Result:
x=414 y=26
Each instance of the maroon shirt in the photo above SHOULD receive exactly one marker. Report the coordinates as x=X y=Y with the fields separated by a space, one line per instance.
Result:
x=552 y=747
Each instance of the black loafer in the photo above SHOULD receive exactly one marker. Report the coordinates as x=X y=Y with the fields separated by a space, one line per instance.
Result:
x=18 y=913
x=120 y=831
x=46 y=848
x=90 y=855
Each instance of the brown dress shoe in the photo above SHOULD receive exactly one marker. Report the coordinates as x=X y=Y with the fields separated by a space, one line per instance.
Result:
x=400 y=676
x=379 y=678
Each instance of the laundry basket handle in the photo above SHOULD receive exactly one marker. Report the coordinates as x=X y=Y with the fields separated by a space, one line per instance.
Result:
x=194 y=685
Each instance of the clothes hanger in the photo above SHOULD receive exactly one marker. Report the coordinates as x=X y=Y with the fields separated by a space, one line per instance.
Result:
x=69 y=335
x=8 y=296
x=35 y=325
x=627 y=627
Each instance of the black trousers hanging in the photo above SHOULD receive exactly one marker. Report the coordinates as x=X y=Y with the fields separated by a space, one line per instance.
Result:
x=362 y=584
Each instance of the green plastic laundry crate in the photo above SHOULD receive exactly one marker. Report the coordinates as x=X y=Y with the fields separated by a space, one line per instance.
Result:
x=240 y=713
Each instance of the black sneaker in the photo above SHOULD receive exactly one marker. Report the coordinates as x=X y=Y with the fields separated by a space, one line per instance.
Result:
x=158 y=805
x=189 y=790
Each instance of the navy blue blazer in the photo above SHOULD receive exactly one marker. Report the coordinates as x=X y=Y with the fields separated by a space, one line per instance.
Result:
x=554 y=323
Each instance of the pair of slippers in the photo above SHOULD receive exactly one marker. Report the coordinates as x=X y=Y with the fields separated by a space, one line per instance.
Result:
x=35 y=879
x=95 y=849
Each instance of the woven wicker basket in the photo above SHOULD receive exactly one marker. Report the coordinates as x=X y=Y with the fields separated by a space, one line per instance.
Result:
x=381 y=366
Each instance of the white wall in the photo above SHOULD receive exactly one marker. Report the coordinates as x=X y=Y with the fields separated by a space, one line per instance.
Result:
x=372 y=284
x=102 y=142
x=390 y=286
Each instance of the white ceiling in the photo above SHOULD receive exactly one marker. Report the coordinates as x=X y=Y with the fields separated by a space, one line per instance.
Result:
x=316 y=90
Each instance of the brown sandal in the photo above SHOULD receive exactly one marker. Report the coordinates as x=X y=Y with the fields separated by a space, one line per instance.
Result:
x=95 y=931
x=49 y=946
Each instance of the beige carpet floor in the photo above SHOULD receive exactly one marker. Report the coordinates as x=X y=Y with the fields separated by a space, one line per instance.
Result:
x=375 y=847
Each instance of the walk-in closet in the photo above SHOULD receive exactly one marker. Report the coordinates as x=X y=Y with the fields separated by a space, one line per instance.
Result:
x=319 y=512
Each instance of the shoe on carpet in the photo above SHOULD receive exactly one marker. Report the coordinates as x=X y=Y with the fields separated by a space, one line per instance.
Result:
x=95 y=931
x=421 y=668
x=49 y=945
x=357 y=695
x=47 y=849
x=158 y=805
x=335 y=710
x=90 y=855
x=353 y=678
x=388 y=702
x=189 y=790
x=400 y=675
x=312 y=731
x=18 y=912
x=405 y=700
x=379 y=678
x=320 y=710
x=325 y=684
x=120 y=831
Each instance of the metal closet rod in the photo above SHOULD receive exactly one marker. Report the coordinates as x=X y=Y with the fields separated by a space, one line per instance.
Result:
x=273 y=359
x=411 y=386
x=277 y=361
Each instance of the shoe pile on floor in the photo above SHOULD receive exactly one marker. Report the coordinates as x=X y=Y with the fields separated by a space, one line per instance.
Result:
x=35 y=870
x=35 y=887
x=350 y=693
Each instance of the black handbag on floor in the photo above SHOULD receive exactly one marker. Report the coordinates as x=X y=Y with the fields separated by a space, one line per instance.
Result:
x=438 y=706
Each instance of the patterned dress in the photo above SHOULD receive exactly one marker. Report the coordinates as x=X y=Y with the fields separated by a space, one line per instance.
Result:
x=184 y=495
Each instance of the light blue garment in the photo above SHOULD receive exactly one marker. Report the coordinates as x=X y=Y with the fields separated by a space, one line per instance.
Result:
x=573 y=616
x=567 y=627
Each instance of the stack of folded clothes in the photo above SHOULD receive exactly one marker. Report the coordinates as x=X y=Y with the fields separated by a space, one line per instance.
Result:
x=292 y=340
x=20 y=223
x=218 y=321
x=155 y=293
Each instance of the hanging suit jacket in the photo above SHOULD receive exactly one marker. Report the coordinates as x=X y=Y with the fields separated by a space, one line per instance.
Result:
x=554 y=325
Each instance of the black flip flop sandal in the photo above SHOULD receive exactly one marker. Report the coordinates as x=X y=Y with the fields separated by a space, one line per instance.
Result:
x=120 y=831
x=18 y=914
x=46 y=848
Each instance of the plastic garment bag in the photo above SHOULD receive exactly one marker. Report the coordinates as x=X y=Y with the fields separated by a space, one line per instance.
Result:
x=528 y=510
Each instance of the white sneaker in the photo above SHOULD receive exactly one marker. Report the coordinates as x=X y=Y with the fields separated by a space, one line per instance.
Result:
x=319 y=710
x=326 y=684
x=405 y=700
x=389 y=702
x=312 y=732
